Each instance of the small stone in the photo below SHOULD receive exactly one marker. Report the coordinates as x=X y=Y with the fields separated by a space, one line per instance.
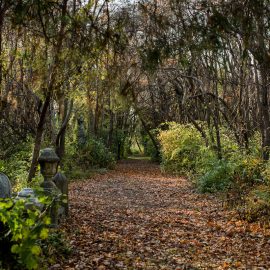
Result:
x=106 y=262
x=129 y=253
x=120 y=264
x=56 y=266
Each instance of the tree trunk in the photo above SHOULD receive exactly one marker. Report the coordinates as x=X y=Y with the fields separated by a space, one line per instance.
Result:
x=52 y=74
x=264 y=107
x=60 y=139
x=38 y=138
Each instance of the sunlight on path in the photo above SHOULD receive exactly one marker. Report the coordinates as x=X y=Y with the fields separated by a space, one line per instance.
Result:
x=136 y=218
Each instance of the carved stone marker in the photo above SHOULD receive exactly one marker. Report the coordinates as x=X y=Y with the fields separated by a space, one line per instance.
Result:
x=62 y=183
x=5 y=186
x=48 y=161
x=55 y=184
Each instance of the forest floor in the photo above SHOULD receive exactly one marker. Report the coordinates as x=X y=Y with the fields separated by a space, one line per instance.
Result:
x=135 y=217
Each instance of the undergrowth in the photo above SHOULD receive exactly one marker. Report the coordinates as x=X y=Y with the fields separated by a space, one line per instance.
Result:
x=82 y=162
x=244 y=177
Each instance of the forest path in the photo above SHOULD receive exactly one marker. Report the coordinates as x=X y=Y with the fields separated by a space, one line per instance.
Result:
x=134 y=217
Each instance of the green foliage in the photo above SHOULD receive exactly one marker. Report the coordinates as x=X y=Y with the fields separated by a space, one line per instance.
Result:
x=217 y=178
x=248 y=170
x=238 y=172
x=256 y=205
x=180 y=147
x=80 y=161
x=22 y=228
x=149 y=148
x=96 y=154
x=184 y=152
x=54 y=247
x=16 y=165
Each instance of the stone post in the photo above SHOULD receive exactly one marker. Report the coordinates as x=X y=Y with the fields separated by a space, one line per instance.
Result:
x=62 y=183
x=49 y=161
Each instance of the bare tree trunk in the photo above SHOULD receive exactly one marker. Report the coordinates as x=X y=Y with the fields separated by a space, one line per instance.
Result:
x=60 y=139
x=110 y=134
x=52 y=73
x=264 y=107
x=38 y=138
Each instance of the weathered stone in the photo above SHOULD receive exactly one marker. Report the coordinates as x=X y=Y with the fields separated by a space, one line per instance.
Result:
x=48 y=161
x=5 y=186
x=32 y=200
x=62 y=183
x=26 y=193
x=48 y=155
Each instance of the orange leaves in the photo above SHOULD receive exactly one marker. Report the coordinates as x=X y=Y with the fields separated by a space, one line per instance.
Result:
x=137 y=218
x=229 y=265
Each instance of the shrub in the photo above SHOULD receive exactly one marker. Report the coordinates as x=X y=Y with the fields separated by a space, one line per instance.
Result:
x=93 y=154
x=248 y=170
x=256 y=205
x=180 y=148
x=218 y=178
x=16 y=166
x=237 y=173
x=22 y=229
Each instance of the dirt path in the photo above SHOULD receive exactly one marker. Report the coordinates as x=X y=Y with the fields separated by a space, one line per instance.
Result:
x=136 y=218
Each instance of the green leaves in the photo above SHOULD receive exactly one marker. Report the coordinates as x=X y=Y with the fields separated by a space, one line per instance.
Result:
x=25 y=228
x=180 y=147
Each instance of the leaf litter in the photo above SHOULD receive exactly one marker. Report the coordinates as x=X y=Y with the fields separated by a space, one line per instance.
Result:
x=135 y=217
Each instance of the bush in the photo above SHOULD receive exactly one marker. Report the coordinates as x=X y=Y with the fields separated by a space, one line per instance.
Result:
x=22 y=231
x=248 y=170
x=218 y=178
x=240 y=172
x=16 y=166
x=93 y=154
x=180 y=148
x=256 y=205
x=184 y=152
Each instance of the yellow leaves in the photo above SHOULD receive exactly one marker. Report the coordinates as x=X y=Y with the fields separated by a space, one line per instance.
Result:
x=44 y=233
x=15 y=248
x=47 y=220
x=36 y=250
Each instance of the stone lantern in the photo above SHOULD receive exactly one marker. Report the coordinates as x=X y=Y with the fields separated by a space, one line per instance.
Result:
x=48 y=161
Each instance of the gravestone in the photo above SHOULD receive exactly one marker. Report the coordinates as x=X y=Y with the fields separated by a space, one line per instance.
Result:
x=5 y=186
x=62 y=183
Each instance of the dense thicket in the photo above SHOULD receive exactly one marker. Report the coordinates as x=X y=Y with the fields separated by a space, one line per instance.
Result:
x=116 y=71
